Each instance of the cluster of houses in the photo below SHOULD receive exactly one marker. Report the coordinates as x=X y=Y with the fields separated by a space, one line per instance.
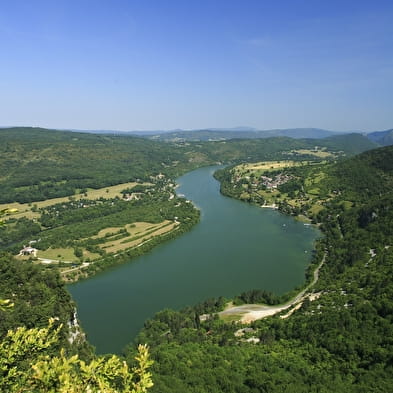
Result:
x=160 y=176
x=273 y=183
x=132 y=196
x=270 y=183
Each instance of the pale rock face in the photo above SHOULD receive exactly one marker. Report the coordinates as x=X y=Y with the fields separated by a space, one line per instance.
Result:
x=76 y=333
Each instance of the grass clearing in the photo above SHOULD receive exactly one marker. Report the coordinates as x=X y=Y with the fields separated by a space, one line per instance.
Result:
x=133 y=229
x=316 y=208
x=271 y=196
x=138 y=227
x=293 y=203
x=315 y=179
x=267 y=166
x=107 y=232
x=108 y=192
x=61 y=254
x=315 y=153
x=91 y=255
x=24 y=209
x=232 y=317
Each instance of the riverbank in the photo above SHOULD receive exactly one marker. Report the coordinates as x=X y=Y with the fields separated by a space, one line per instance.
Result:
x=248 y=313
x=293 y=190
x=87 y=233
x=234 y=247
x=89 y=269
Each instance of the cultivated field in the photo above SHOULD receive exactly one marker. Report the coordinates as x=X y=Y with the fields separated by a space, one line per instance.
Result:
x=61 y=254
x=257 y=168
x=112 y=241
x=316 y=153
x=24 y=209
x=137 y=234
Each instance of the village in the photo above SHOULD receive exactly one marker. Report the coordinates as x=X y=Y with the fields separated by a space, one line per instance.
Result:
x=262 y=182
x=273 y=182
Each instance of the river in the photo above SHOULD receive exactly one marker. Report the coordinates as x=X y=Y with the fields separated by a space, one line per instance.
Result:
x=234 y=248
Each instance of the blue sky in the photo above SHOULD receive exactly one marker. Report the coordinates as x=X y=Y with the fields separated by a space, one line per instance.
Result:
x=149 y=64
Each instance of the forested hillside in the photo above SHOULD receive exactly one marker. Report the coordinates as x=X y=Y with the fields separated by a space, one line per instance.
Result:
x=36 y=295
x=38 y=164
x=384 y=138
x=339 y=340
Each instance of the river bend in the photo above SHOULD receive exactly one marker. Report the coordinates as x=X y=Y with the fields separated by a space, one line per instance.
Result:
x=235 y=247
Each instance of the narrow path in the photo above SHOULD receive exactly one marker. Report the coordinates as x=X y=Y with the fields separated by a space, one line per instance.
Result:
x=252 y=312
x=49 y=260
x=84 y=264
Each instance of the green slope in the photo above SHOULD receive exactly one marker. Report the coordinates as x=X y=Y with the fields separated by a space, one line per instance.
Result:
x=37 y=164
x=340 y=342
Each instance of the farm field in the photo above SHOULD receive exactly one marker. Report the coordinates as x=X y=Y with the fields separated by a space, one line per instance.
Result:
x=135 y=234
x=28 y=209
x=315 y=153
x=260 y=167
x=60 y=254
x=97 y=227
x=111 y=240
x=320 y=153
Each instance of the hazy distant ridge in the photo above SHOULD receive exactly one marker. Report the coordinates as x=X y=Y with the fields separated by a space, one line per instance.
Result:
x=384 y=138
x=381 y=138
x=241 y=133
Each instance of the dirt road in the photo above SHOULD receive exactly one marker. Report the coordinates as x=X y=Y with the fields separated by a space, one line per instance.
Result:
x=252 y=312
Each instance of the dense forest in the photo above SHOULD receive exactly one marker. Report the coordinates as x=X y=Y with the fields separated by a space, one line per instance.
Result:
x=342 y=340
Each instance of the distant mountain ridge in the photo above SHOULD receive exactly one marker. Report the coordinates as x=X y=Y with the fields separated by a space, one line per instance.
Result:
x=383 y=138
x=217 y=134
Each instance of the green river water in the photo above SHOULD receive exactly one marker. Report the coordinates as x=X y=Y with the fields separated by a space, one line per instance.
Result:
x=234 y=248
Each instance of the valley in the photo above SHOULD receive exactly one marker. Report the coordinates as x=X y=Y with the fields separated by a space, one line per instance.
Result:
x=233 y=247
x=196 y=197
x=82 y=223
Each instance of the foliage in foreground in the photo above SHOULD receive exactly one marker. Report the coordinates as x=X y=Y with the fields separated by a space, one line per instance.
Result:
x=25 y=366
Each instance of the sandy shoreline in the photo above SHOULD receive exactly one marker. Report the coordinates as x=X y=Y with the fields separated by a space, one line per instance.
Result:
x=253 y=312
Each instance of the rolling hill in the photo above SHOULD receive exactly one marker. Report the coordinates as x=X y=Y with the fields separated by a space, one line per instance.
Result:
x=38 y=164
